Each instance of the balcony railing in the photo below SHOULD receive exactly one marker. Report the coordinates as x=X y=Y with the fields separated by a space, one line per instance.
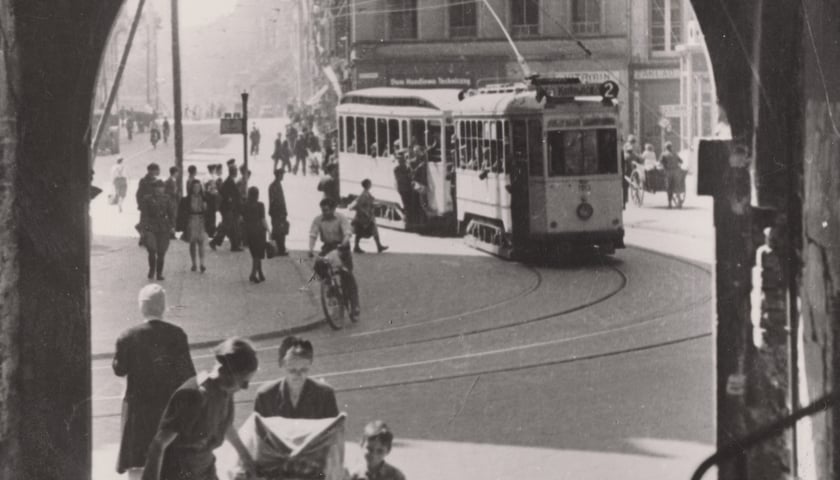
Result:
x=527 y=30
x=463 y=31
x=586 y=28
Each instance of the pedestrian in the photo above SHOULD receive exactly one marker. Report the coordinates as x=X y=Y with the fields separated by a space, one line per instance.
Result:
x=301 y=153
x=630 y=160
x=242 y=183
x=329 y=184
x=231 y=207
x=211 y=194
x=192 y=175
x=364 y=223
x=171 y=191
x=155 y=359
x=296 y=395
x=276 y=155
x=154 y=134
x=129 y=125
x=402 y=178
x=377 y=441
x=255 y=140
x=120 y=183
x=165 y=130
x=144 y=187
x=649 y=157
x=156 y=225
x=278 y=212
x=256 y=228
x=199 y=418
x=671 y=163
x=196 y=209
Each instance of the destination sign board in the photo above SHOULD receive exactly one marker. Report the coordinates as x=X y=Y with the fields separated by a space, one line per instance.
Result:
x=566 y=89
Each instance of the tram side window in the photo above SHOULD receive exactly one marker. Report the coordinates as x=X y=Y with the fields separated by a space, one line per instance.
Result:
x=404 y=134
x=434 y=141
x=535 y=150
x=508 y=147
x=520 y=143
x=370 y=133
x=382 y=137
x=449 y=146
x=341 y=134
x=462 y=145
x=393 y=135
x=361 y=146
x=351 y=135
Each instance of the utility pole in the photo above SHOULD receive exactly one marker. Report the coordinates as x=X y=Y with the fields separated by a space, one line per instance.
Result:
x=176 y=98
x=245 y=138
x=110 y=100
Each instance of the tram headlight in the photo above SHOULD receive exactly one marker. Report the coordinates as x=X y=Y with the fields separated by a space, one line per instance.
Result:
x=585 y=211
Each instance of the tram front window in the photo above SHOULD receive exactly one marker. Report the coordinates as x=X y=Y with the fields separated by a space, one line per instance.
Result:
x=582 y=152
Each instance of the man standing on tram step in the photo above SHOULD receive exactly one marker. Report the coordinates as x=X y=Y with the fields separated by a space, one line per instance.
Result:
x=255 y=140
x=278 y=213
x=155 y=359
x=165 y=130
x=402 y=176
x=231 y=206
x=300 y=154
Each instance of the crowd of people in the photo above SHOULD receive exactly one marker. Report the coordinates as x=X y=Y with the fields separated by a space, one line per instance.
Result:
x=173 y=417
x=646 y=161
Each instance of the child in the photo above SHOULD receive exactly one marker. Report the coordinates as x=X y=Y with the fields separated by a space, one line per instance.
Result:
x=376 y=443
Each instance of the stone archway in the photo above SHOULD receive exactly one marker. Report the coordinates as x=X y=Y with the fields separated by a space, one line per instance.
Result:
x=51 y=56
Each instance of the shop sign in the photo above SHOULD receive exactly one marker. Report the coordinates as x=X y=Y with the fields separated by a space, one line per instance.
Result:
x=589 y=77
x=429 y=81
x=656 y=74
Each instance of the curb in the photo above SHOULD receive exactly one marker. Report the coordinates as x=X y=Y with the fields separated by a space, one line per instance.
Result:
x=256 y=337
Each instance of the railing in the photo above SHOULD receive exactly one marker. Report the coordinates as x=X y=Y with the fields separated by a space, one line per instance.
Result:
x=587 y=27
x=525 y=30
x=463 y=31
x=738 y=448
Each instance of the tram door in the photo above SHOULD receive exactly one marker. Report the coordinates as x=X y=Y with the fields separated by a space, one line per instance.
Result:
x=519 y=207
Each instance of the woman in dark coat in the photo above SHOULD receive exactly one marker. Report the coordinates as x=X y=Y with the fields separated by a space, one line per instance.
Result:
x=155 y=359
x=296 y=395
x=256 y=228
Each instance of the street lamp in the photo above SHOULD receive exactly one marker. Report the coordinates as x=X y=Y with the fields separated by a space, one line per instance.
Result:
x=245 y=138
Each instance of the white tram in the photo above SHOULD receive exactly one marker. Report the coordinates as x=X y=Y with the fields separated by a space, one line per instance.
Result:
x=538 y=168
x=373 y=124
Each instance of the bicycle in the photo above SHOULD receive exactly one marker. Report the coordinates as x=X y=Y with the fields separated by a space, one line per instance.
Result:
x=334 y=301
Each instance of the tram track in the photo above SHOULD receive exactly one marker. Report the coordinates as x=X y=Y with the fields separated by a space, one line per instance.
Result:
x=638 y=321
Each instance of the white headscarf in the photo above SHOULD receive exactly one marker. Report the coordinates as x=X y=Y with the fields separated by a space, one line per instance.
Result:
x=152 y=301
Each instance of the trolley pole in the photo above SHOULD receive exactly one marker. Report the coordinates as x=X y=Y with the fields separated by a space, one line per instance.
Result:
x=245 y=138
x=176 y=100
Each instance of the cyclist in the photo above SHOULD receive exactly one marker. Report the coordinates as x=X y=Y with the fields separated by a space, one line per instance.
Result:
x=334 y=230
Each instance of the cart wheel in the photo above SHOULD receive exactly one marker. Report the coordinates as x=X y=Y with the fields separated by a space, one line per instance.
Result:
x=680 y=199
x=637 y=192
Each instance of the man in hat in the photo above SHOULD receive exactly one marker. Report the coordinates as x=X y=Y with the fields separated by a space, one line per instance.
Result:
x=278 y=212
x=156 y=225
x=144 y=187
x=402 y=177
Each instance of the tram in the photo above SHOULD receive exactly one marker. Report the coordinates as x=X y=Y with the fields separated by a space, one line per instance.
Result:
x=538 y=168
x=375 y=124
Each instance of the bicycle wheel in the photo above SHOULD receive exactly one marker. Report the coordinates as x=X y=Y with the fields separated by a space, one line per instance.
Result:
x=333 y=305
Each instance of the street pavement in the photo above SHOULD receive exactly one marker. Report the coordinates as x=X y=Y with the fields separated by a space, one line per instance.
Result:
x=484 y=368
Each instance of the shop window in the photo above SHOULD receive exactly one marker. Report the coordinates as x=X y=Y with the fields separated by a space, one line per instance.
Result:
x=586 y=17
x=665 y=25
x=535 y=148
x=463 y=20
x=402 y=19
x=525 y=17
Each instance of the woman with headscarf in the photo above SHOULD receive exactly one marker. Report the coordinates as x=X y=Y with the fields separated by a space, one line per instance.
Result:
x=155 y=359
x=296 y=395
x=199 y=418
